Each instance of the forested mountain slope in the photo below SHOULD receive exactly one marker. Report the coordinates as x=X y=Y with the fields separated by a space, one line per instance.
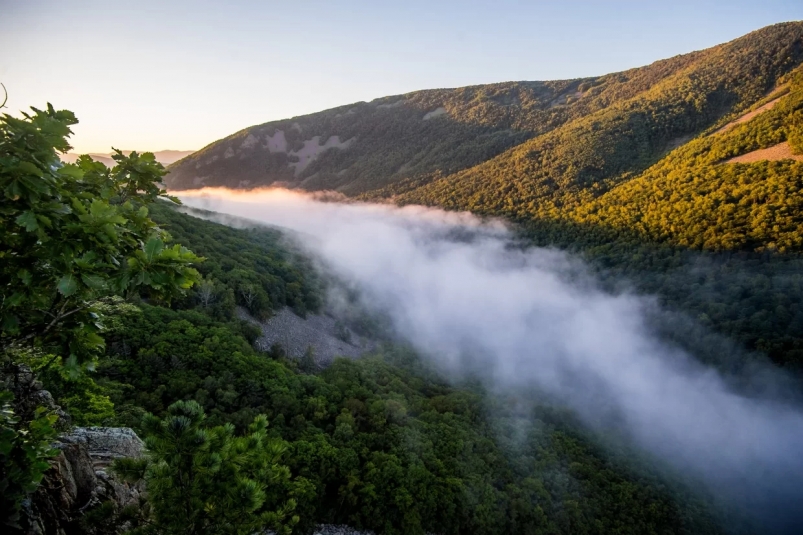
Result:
x=505 y=147
x=698 y=197
x=634 y=173
x=693 y=197
x=568 y=173
x=384 y=442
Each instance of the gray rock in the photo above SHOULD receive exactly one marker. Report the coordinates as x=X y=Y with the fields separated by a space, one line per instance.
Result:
x=77 y=480
x=105 y=444
x=320 y=332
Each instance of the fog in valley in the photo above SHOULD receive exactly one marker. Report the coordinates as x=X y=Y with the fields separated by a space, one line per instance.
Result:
x=460 y=293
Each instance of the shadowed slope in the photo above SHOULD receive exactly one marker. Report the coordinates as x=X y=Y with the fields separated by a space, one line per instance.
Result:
x=427 y=134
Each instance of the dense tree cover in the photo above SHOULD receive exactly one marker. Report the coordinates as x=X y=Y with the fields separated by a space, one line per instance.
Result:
x=159 y=356
x=249 y=268
x=753 y=298
x=388 y=445
x=204 y=479
x=76 y=239
x=693 y=199
x=635 y=113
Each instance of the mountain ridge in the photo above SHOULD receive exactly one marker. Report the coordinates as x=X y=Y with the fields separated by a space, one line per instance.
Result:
x=487 y=108
x=522 y=150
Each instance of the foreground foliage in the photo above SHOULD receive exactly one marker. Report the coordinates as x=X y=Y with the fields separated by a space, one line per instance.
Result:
x=25 y=447
x=73 y=239
x=207 y=480
x=73 y=235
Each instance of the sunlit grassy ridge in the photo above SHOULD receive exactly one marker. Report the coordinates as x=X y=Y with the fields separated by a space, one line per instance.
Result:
x=611 y=168
x=525 y=150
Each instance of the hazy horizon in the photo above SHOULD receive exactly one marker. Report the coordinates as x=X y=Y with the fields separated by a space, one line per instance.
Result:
x=148 y=78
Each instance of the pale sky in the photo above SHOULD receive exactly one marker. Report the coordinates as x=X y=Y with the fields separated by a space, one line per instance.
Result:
x=153 y=75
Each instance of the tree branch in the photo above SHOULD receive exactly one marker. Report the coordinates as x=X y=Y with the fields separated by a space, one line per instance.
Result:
x=61 y=315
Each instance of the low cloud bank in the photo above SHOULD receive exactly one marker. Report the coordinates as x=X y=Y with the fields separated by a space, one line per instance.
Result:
x=459 y=293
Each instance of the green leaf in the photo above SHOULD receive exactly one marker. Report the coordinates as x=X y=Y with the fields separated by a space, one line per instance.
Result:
x=25 y=276
x=153 y=248
x=27 y=220
x=88 y=260
x=94 y=282
x=13 y=190
x=68 y=285
x=31 y=169
x=72 y=171
x=71 y=366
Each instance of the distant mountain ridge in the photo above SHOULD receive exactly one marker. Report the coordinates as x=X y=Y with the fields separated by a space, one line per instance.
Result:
x=542 y=151
x=165 y=157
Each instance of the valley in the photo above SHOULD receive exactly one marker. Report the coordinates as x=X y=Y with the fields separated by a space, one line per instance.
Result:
x=528 y=307
x=680 y=163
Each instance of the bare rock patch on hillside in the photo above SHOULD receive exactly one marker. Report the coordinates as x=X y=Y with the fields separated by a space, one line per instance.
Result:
x=749 y=115
x=781 y=151
x=324 y=335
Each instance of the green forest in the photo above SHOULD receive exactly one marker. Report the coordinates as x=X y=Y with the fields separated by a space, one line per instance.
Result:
x=628 y=170
x=125 y=307
x=125 y=323
x=515 y=148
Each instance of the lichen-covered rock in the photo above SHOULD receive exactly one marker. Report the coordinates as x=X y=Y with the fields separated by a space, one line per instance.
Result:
x=78 y=482
x=105 y=444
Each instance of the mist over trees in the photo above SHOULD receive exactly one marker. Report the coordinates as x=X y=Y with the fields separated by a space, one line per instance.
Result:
x=128 y=310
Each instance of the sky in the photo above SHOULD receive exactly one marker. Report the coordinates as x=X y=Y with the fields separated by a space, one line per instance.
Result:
x=154 y=75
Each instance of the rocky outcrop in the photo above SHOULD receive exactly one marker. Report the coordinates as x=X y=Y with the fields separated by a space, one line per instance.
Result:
x=105 y=444
x=29 y=395
x=78 y=482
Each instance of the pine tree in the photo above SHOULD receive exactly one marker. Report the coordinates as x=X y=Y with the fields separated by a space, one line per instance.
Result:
x=207 y=480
